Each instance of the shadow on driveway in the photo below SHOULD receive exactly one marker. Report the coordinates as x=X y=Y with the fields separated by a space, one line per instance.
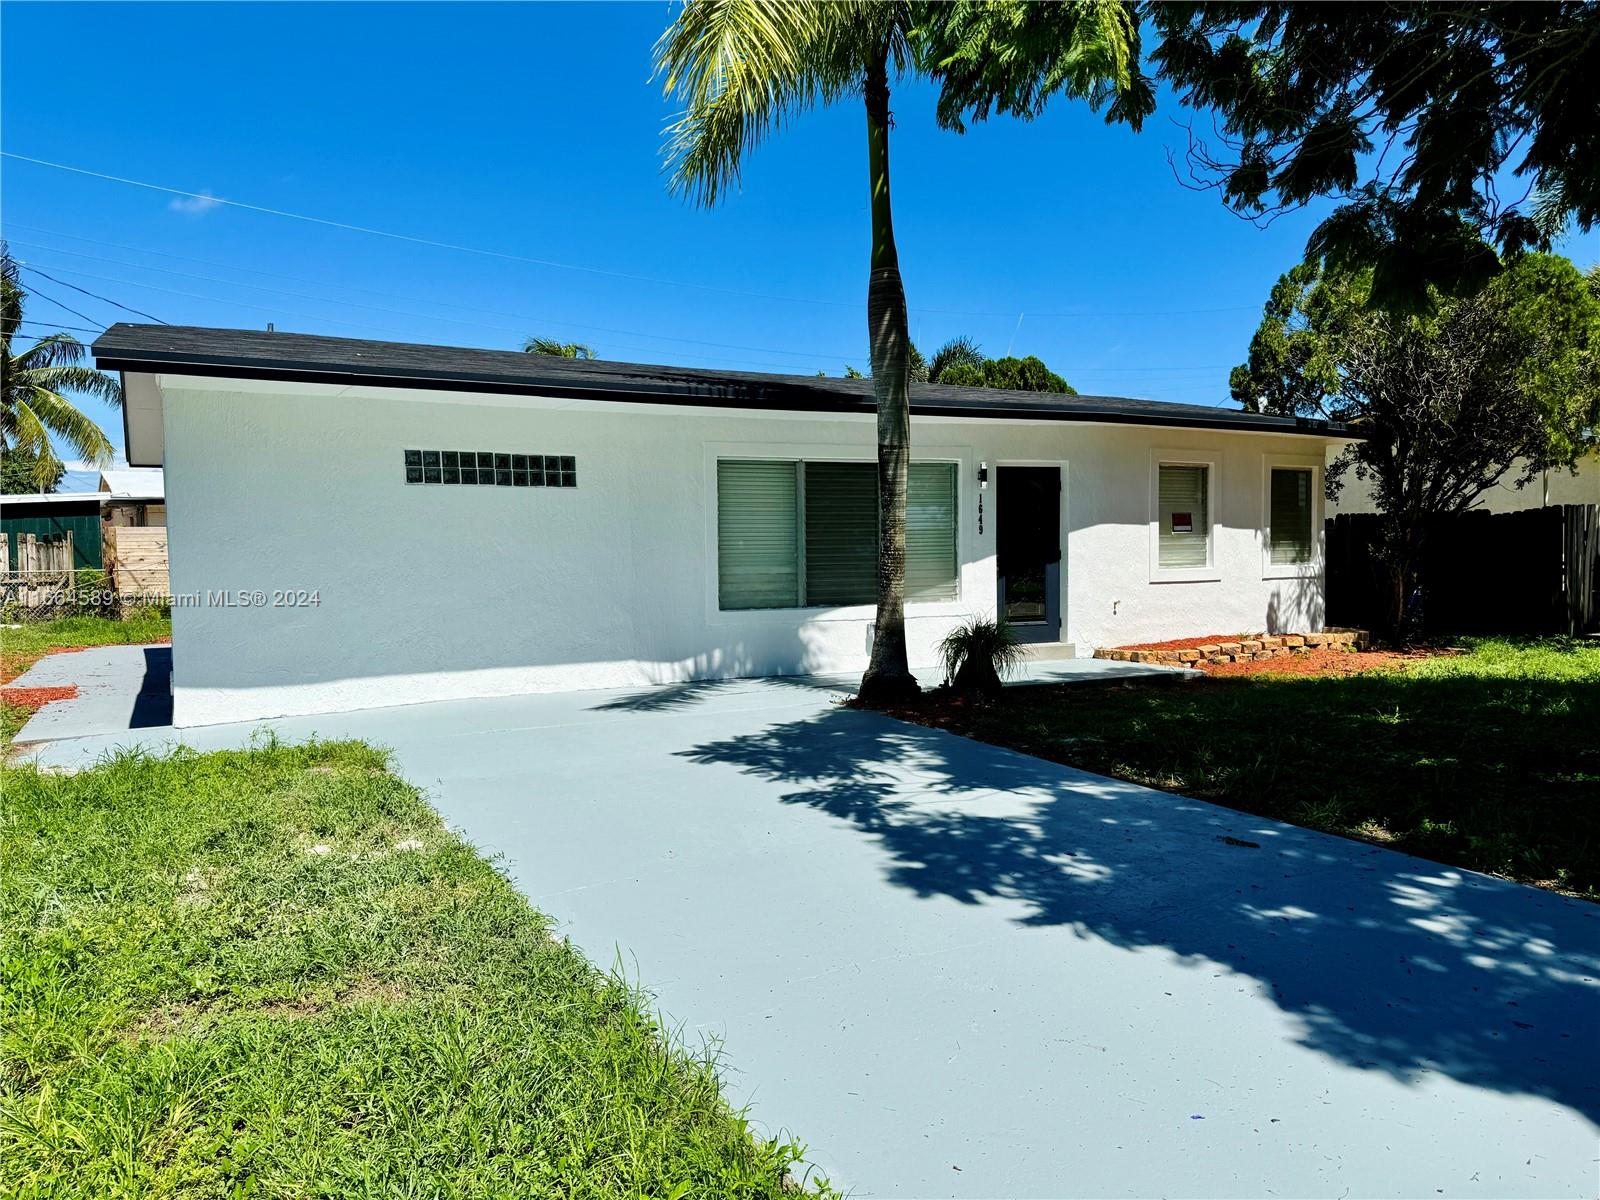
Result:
x=1391 y=963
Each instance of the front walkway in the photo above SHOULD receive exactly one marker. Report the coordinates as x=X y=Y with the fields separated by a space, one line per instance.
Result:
x=957 y=970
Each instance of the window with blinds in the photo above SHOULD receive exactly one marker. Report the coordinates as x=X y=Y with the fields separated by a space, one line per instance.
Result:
x=841 y=533
x=758 y=534
x=792 y=534
x=1289 y=516
x=1184 y=531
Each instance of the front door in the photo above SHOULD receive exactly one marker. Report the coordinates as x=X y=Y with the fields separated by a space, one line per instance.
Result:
x=1028 y=543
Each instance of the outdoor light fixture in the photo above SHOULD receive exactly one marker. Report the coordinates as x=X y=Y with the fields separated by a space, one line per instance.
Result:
x=983 y=475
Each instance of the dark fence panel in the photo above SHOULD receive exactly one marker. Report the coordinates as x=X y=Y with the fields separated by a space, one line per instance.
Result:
x=1522 y=572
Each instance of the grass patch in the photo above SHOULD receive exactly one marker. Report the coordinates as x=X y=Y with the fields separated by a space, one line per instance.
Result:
x=23 y=646
x=1488 y=760
x=275 y=973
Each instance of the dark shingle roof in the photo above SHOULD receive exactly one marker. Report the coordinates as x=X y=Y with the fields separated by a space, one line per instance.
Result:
x=254 y=354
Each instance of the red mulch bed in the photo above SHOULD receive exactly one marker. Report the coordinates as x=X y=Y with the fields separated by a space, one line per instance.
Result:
x=35 y=698
x=1316 y=661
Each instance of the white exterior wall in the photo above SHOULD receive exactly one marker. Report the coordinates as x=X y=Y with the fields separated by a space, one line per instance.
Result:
x=437 y=592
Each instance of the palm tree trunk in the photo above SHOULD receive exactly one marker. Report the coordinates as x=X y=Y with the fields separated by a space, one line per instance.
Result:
x=888 y=678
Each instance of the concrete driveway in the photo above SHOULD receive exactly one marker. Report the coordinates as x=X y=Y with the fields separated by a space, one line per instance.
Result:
x=954 y=970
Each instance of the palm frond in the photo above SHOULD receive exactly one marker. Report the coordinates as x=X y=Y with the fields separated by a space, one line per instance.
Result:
x=28 y=433
x=557 y=349
x=957 y=351
x=741 y=69
x=68 y=423
x=11 y=297
x=76 y=379
x=52 y=350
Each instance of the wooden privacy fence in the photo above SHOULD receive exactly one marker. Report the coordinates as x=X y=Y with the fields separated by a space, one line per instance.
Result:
x=1529 y=572
x=43 y=567
x=137 y=555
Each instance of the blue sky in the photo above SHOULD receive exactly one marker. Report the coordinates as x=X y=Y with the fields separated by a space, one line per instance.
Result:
x=534 y=131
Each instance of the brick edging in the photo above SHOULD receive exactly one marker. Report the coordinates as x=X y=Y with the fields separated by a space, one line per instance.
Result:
x=1245 y=649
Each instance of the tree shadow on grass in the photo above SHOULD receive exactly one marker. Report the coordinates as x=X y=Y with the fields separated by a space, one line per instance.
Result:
x=1389 y=963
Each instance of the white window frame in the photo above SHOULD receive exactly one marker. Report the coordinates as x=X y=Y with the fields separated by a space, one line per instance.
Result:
x=962 y=457
x=1203 y=457
x=1292 y=462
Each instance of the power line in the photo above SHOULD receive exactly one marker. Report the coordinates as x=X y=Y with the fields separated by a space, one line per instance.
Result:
x=390 y=331
x=207 y=198
x=810 y=355
x=71 y=328
x=527 y=321
x=58 y=304
x=93 y=295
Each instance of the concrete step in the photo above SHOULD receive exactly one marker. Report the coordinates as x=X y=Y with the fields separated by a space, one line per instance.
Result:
x=1049 y=651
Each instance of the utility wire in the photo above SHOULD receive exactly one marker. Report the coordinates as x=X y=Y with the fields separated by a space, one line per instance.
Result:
x=478 y=324
x=564 y=266
x=58 y=304
x=387 y=330
x=419 y=241
x=92 y=295
x=807 y=355
x=71 y=328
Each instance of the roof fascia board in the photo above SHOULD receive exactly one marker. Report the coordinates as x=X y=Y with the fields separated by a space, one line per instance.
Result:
x=784 y=399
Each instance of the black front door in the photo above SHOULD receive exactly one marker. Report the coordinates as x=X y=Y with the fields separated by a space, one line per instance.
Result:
x=1028 y=543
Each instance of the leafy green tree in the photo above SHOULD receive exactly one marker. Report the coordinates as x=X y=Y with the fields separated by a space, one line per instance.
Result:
x=1412 y=114
x=1503 y=383
x=963 y=374
x=960 y=363
x=20 y=474
x=743 y=68
x=33 y=392
x=557 y=349
x=1024 y=375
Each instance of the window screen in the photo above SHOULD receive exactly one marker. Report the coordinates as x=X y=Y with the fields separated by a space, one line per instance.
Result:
x=1184 y=532
x=1290 y=517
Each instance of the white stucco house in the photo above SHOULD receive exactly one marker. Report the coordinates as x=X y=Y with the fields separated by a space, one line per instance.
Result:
x=357 y=523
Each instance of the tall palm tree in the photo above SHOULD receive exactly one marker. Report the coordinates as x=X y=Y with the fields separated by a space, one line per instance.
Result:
x=743 y=68
x=33 y=403
x=557 y=349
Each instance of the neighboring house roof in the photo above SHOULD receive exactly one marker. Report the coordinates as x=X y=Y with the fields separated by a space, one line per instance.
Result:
x=252 y=354
x=52 y=498
x=134 y=483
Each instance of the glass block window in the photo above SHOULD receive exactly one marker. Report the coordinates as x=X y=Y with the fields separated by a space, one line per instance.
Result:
x=491 y=468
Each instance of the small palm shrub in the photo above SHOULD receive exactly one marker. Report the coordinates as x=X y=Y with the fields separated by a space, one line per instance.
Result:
x=977 y=653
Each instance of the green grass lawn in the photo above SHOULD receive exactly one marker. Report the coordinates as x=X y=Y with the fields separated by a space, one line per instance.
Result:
x=1489 y=760
x=275 y=973
x=22 y=646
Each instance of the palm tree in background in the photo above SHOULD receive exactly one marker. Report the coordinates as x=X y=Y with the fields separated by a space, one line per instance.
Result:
x=960 y=351
x=550 y=346
x=33 y=386
x=744 y=68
